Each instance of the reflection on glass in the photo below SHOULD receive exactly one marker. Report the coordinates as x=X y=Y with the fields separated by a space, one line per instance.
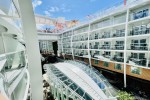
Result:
x=13 y=66
x=15 y=61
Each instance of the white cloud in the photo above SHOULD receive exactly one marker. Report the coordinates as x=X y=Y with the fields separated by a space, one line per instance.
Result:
x=64 y=8
x=61 y=8
x=54 y=9
x=36 y=3
x=47 y=13
x=40 y=26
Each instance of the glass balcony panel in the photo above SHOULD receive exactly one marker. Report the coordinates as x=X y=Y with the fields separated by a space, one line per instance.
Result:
x=87 y=97
x=63 y=78
x=80 y=92
x=140 y=14
x=101 y=85
x=15 y=61
x=73 y=86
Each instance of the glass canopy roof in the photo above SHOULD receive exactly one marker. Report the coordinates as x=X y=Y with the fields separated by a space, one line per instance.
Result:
x=98 y=78
x=69 y=87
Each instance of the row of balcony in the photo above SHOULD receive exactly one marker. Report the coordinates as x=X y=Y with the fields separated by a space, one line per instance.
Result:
x=66 y=40
x=80 y=38
x=67 y=51
x=143 y=46
x=81 y=53
x=106 y=57
x=139 y=30
x=108 y=47
x=139 y=59
x=135 y=30
x=80 y=30
x=66 y=46
x=133 y=44
x=80 y=46
x=67 y=34
x=116 y=19
x=140 y=14
x=119 y=45
x=133 y=16
x=117 y=33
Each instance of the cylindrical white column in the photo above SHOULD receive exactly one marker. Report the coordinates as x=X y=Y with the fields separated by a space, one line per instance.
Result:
x=32 y=48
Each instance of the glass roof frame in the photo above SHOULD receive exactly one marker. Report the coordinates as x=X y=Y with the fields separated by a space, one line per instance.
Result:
x=68 y=86
x=99 y=77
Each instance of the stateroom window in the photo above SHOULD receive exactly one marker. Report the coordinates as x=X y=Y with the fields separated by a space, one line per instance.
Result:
x=106 y=64
x=118 y=66
x=136 y=70
x=96 y=62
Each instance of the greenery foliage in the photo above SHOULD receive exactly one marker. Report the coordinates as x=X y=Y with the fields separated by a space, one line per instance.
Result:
x=122 y=95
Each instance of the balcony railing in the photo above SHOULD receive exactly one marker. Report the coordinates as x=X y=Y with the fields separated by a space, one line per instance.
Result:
x=139 y=30
x=109 y=47
x=138 y=61
x=80 y=46
x=118 y=47
x=81 y=54
x=118 y=58
x=106 y=47
x=80 y=39
x=106 y=36
x=106 y=56
x=140 y=14
x=48 y=31
x=118 y=34
x=143 y=46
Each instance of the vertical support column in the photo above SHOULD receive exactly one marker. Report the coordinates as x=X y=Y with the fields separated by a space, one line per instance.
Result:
x=61 y=43
x=32 y=47
x=125 y=47
x=3 y=42
x=148 y=60
x=72 y=44
x=89 y=43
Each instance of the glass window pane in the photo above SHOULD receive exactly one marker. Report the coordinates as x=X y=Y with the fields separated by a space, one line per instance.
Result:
x=136 y=70
x=87 y=97
x=118 y=66
x=73 y=86
x=96 y=62
x=106 y=64
x=79 y=91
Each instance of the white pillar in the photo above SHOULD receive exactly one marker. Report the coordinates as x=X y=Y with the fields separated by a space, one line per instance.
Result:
x=89 y=56
x=72 y=44
x=32 y=47
x=125 y=47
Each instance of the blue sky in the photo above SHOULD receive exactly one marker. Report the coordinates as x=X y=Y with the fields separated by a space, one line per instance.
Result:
x=71 y=9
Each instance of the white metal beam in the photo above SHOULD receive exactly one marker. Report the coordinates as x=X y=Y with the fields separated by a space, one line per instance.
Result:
x=32 y=47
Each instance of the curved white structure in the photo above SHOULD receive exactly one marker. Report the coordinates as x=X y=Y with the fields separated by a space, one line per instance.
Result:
x=14 y=76
x=77 y=81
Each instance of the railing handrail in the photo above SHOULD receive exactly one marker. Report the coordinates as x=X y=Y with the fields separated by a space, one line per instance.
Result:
x=5 y=54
